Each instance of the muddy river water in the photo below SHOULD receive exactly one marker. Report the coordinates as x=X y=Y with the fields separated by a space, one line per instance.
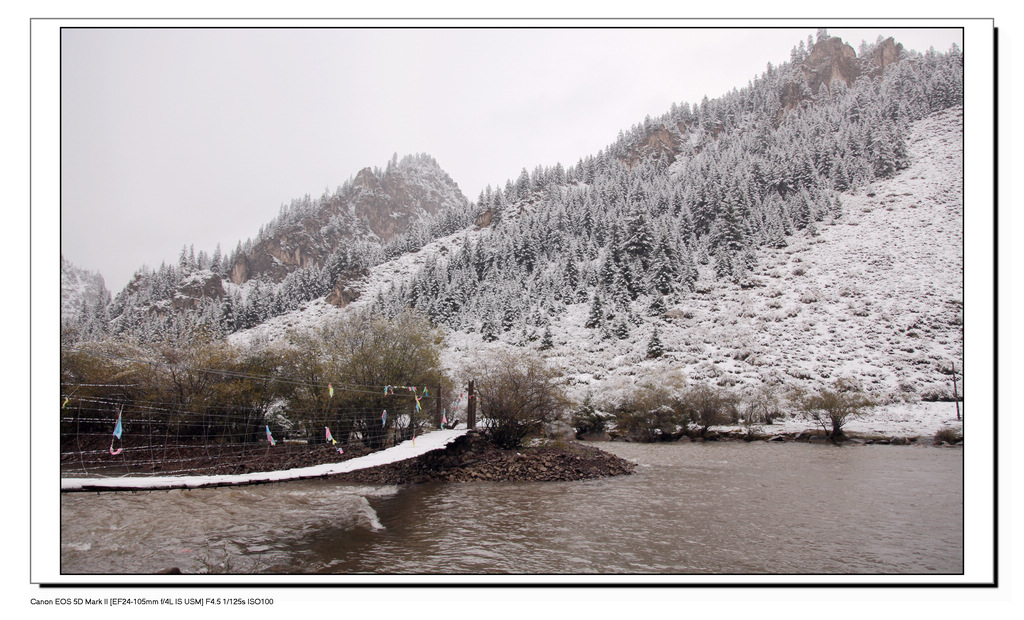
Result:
x=716 y=508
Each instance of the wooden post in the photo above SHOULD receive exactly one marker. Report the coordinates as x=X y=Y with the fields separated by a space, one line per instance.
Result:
x=437 y=411
x=956 y=398
x=470 y=408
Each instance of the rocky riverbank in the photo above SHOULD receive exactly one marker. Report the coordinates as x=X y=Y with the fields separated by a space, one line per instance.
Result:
x=474 y=458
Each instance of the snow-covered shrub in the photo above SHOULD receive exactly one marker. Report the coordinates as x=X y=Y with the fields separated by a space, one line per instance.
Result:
x=652 y=411
x=587 y=420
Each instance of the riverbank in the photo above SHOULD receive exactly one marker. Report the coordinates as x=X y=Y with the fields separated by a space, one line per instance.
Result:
x=894 y=423
x=474 y=458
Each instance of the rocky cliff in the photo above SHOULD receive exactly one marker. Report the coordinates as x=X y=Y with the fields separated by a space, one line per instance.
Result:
x=375 y=206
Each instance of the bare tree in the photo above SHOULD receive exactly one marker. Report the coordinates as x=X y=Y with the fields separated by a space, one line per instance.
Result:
x=833 y=407
x=709 y=406
x=517 y=395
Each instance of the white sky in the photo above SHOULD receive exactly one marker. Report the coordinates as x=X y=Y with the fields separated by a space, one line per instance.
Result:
x=197 y=136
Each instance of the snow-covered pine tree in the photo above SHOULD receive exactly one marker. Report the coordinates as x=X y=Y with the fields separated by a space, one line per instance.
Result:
x=655 y=348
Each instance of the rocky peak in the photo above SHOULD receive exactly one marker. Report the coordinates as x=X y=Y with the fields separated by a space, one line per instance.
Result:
x=885 y=53
x=830 y=59
x=366 y=179
x=375 y=206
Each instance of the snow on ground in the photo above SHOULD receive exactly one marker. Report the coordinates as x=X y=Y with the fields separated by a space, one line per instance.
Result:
x=434 y=440
x=318 y=311
x=875 y=297
x=894 y=420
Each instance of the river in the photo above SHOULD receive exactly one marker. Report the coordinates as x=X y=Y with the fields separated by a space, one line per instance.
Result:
x=715 y=508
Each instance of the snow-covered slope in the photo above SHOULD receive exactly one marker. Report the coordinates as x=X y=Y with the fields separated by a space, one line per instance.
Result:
x=876 y=298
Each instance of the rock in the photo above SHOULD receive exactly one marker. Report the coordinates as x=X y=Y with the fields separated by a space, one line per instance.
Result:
x=684 y=439
x=559 y=429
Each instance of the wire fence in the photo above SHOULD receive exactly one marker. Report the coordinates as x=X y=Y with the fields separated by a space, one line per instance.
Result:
x=103 y=433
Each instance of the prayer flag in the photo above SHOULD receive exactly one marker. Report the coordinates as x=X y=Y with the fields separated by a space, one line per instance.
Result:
x=383 y=417
x=329 y=438
x=117 y=428
x=65 y=402
x=330 y=390
x=270 y=437
x=444 y=418
x=114 y=452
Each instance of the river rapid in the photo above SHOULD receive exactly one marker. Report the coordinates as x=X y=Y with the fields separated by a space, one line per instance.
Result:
x=715 y=508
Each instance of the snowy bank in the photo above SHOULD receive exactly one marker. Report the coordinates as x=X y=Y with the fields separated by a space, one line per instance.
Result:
x=435 y=440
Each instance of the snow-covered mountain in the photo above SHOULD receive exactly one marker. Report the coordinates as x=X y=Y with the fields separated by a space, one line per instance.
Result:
x=83 y=293
x=875 y=296
x=313 y=247
x=376 y=206
x=804 y=228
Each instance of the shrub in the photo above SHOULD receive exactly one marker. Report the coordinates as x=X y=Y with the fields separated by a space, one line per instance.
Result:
x=833 y=408
x=650 y=425
x=589 y=421
x=762 y=407
x=652 y=411
x=517 y=395
x=365 y=350
x=948 y=435
x=707 y=406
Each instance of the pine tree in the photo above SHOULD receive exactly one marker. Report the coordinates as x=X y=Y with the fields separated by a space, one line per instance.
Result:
x=596 y=316
x=640 y=241
x=547 y=341
x=657 y=306
x=654 y=347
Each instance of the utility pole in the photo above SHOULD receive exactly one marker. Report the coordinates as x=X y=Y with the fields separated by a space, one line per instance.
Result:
x=470 y=408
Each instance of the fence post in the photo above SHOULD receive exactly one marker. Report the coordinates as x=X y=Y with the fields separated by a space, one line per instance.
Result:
x=470 y=408
x=437 y=411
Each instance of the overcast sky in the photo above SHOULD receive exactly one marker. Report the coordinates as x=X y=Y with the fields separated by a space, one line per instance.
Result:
x=174 y=137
